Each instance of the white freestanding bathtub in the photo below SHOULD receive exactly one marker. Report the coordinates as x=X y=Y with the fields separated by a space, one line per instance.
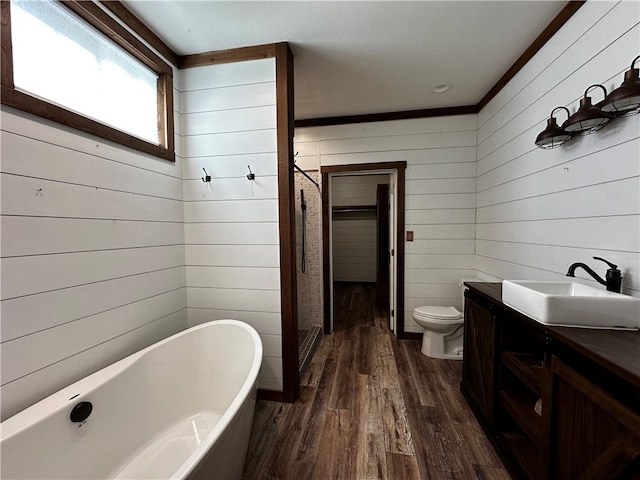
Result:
x=181 y=408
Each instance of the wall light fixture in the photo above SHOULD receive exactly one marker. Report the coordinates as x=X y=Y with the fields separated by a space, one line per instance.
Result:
x=589 y=118
x=625 y=100
x=553 y=136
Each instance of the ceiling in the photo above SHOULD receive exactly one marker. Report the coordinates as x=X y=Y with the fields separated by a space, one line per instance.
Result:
x=363 y=57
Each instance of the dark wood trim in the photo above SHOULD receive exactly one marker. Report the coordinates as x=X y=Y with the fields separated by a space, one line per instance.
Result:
x=382 y=245
x=103 y=22
x=270 y=395
x=7 y=49
x=565 y=14
x=400 y=212
x=286 y=209
x=412 y=336
x=326 y=265
x=385 y=117
x=123 y=13
x=355 y=167
x=241 y=54
x=49 y=111
x=325 y=171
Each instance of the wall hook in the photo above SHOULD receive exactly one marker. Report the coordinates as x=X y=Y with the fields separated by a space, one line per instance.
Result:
x=207 y=177
x=251 y=176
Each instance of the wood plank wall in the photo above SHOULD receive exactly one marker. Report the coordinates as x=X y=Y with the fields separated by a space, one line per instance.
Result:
x=541 y=210
x=231 y=224
x=440 y=194
x=92 y=256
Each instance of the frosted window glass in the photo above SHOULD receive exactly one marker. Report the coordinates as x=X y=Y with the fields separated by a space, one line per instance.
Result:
x=59 y=58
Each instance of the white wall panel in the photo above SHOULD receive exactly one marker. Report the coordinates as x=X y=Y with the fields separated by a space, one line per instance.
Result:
x=28 y=275
x=399 y=142
x=231 y=189
x=440 y=194
x=50 y=133
x=50 y=198
x=244 y=300
x=232 y=234
x=92 y=248
x=55 y=344
x=41 y=383
x=230 y=143
x=97 y=172
x=455 y=123
x=610 y=198
x=228 y=75
x=539 y=211
x=433 y=186
x=25 y=315
x=228 y=98
x=233 y=255
x=233 y=277
x=437 y=216
x=223 y=121
x=232 y=239
x=262 y=164
x=231 y=211
x=37 y=235
x=267 y=323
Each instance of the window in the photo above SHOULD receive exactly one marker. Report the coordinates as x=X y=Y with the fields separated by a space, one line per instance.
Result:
x=72 y=63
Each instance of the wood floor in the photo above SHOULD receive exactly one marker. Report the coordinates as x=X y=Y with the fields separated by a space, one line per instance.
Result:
x=358 y=418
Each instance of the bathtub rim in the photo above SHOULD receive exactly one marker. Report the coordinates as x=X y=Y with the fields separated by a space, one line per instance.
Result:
x=67 y=396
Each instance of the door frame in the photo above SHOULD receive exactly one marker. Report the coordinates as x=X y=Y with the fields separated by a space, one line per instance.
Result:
x=326 y=171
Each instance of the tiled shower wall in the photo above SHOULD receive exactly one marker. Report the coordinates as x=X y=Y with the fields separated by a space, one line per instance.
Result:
x=309 y=282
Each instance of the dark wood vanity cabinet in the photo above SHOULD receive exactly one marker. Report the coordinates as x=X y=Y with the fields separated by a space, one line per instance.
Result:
x=479 y=357
x=557 y=403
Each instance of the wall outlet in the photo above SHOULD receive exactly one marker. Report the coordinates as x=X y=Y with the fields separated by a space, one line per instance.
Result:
x=409 y=236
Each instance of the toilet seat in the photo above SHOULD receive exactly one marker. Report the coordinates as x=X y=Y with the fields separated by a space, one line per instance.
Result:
x=438 y=314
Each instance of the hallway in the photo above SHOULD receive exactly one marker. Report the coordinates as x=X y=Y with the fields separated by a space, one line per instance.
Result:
x=356 y=418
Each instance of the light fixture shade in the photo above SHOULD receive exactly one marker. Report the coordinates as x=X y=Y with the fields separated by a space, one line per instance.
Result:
x=625 y=100
x=553 y=136
x=589 y=118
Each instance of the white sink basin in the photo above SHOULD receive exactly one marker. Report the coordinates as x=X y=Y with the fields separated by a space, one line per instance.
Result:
x=572 y=304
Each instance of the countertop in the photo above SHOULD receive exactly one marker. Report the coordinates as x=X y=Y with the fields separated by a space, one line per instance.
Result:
x=617 y=350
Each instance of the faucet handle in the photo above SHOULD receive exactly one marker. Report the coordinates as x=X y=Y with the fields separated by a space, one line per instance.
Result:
x=615 y=267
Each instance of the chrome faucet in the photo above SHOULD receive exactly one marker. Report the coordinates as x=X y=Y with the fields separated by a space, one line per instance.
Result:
x=613 y=277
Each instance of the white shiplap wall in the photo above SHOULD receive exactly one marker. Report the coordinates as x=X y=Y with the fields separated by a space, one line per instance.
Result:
x=231 y=223
x=92 y=255
x=541 y=210
x=440 y=194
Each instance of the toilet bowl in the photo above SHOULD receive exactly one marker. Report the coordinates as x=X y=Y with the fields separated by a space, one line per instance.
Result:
x=443 y=329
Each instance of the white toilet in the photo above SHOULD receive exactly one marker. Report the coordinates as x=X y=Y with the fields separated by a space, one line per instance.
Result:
x=443 y=329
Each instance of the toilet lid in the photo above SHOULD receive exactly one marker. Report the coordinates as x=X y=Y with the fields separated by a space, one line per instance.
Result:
x=444 y=313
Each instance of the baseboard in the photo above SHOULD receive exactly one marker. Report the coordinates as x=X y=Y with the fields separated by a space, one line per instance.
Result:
x=411 y=336
x=270 y=395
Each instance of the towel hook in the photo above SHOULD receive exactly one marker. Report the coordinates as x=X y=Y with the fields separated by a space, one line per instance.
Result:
x=251 y=176
x=207 y=177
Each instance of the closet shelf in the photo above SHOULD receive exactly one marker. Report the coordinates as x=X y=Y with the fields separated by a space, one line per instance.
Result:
x=355 y=208
x=355 y=212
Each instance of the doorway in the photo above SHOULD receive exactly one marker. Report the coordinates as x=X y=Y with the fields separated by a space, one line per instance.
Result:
x=392 y=176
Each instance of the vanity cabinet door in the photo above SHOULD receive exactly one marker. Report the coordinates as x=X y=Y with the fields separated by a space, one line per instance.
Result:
x=479 y=358
x=596 y=436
